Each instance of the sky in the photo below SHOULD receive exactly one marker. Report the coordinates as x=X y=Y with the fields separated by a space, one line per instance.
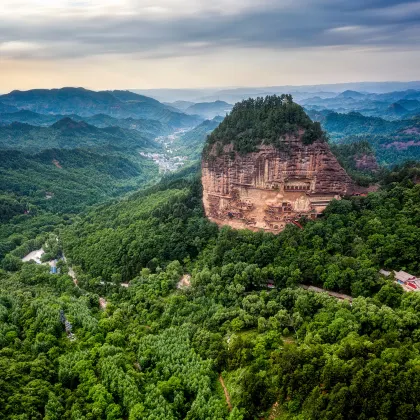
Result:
x=141 y=44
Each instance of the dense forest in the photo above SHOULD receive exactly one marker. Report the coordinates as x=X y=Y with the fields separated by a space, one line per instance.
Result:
x=392 y=142
x=191 y=143
x=354 y=123
x=349 y=155
x=157 y=350
x=153 y=312
x=263 y=121
x=392 y=149
x=70 y=134
x=60 y=180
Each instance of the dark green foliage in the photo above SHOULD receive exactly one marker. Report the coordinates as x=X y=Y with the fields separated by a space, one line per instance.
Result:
x=348 y=155
x=264 y=121
x=191 y=143
x=160 y=227
x=356 y=238
x=354 y=123
x=68 y=180
x=393 y=149
x=393 y=142
x=157 y=352
x=70 y=134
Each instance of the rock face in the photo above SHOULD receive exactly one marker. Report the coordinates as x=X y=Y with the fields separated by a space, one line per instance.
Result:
x=271 y=187
x=367 y=163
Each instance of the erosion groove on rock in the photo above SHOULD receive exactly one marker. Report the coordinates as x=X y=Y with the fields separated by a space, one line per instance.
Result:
x=273 y=186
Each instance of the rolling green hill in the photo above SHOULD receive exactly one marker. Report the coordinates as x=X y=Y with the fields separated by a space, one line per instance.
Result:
x=61 y=180
x=70 y=134
x=191 y=143
x=29 y=117
x=152 y=128
x=354 y=123
x=393 y=142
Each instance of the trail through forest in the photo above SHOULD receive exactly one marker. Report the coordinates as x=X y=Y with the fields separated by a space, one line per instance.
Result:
x=227 y=397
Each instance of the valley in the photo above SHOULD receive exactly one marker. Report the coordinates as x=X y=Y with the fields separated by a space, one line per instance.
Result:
x=136 y=283
x=169 y=160
x=209 y=210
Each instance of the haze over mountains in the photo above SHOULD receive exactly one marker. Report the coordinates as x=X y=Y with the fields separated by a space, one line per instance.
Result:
x=86 y=103
x=235 y=94
x=385 y=118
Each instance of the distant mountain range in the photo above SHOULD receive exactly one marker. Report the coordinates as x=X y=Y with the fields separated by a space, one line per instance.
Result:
x=392 y=141
x=236 y=94
x=70 y=134
x=180 y=105
x=209 y=109
x=391 y=105
x=354 y=123
x=148 y=127
x=87 y=103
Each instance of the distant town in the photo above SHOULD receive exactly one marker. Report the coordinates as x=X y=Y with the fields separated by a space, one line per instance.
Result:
x=168 y=161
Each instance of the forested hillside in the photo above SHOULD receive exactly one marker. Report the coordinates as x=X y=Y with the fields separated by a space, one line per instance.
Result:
x=354 y=123
x=156 y=351
x=393 y=142
x=153 y=312
x=60 y=180
x=70 y=134
x=152 y=128
x=359 y=160
x=191 y=143
x=393 y=149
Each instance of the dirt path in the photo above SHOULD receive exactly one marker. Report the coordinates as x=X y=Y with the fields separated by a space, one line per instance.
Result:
x=72 y=274
x=222 y=382
x=184 y=282
x=102 y=303
x=329 y=292
x=275 y=411
x=57 y=163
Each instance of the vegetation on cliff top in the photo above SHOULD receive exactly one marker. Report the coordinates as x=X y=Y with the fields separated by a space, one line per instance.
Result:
x=264 y=121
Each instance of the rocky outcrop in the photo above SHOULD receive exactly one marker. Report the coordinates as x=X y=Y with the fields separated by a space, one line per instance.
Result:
x=271 y=187
x=366 y=163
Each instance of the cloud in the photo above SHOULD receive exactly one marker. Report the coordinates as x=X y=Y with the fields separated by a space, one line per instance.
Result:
x=172 y=28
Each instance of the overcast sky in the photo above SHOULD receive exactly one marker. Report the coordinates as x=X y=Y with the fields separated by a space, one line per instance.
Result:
x=103 y=44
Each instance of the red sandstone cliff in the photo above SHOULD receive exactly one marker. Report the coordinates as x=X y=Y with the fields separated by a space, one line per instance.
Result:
x=271 y=187
x=366 y=163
